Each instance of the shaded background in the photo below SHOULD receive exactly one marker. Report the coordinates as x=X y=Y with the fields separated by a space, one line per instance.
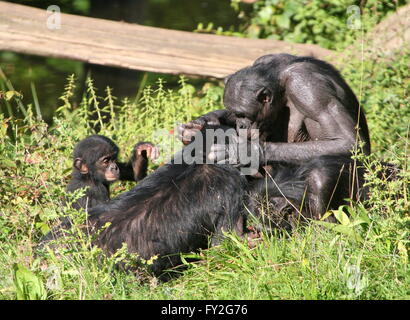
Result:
x=49 y=74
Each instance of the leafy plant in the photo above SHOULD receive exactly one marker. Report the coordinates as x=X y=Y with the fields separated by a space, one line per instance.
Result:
x=364 y=256
x=326 y=23
x=28 y=286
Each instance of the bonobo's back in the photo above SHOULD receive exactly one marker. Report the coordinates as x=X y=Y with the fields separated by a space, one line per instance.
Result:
x=277 y=64
x=179 y=208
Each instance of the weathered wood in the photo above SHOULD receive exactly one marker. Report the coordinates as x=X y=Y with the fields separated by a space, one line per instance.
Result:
x=23 y=29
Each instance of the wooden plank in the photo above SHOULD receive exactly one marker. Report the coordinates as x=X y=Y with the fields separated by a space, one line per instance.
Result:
x=23 y=29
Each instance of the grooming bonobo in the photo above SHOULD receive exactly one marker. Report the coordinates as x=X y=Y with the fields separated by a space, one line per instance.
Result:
x=303 y=110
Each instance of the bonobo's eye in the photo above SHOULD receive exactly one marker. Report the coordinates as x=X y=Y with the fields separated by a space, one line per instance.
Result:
x=106 y=160
x=264 y=96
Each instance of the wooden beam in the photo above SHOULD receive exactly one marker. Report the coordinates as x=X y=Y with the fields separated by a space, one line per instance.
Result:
x=23 y=29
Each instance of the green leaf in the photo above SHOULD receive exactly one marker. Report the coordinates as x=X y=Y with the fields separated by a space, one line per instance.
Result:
x=266 y=14
x=283 y=21
x=28 y=285
x=10 y=94
x=291 y=8
x=363 y=215
x=341 y=216
x=44 y=228
x=82 y=5
x=7 y=163
x=343 y=229
x=401 y=248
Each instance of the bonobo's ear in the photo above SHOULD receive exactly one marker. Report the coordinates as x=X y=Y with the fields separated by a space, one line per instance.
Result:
x=264 y=96
x=80 y=166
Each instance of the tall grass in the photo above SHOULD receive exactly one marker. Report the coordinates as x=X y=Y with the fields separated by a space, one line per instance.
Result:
x=365 y=256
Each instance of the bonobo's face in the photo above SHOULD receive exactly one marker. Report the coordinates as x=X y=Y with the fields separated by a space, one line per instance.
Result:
x=107 y=169
x=248 y=97
x=95 y=158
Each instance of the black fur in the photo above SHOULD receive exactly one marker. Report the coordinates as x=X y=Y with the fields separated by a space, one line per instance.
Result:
x=307 y=117
x=88 y=152
x=179 y=208
x=309 y=190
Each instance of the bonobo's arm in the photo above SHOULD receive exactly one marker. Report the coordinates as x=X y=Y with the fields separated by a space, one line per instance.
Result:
x=217 y=117
x=324 y=104
x=126 y=171
x=136 y=168
x=319 y=102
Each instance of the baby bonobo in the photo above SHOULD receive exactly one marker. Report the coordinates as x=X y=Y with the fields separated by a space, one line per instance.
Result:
x=95 y=167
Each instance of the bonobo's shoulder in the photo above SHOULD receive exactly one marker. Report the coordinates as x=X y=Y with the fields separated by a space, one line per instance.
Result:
x=277 y=59
x=74 y=184
x=309 y=65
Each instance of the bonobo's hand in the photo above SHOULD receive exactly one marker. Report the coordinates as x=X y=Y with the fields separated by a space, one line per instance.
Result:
x=147 y=150
x=187 y=131
x=239 y=152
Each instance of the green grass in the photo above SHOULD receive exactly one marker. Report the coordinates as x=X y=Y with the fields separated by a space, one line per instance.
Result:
x=366 y=256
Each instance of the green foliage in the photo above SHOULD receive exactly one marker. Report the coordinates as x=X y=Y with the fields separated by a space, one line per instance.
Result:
x=28 y=285
x=364 y=256
x=383 y=89
x=326 y=23
x=35 y=164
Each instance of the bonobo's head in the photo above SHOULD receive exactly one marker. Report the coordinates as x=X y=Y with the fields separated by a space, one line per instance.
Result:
x=95 y=158
x=254 y=94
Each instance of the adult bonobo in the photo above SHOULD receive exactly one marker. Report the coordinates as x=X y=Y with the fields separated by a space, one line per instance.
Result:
x=303 y=110
x=301 y=105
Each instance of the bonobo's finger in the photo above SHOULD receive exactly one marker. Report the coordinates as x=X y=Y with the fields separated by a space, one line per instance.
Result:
x=228 y=160
x=148 y=149
x=145 y=149
x=223 y=161
x=188 y=130
x=217 y=157
x=217 y=148
x=154 y=153
x=217 y=153
x=194 y=124
x=187 y=135
x=214 y=122
x=180 y=130
x=139 y=149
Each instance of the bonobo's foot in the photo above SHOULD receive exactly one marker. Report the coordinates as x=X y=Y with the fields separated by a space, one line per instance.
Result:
x=253 y=236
